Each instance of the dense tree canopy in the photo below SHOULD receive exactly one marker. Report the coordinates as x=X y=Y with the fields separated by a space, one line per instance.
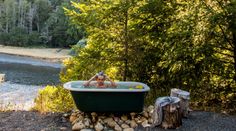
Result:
x=36 y=23
x=166 y=44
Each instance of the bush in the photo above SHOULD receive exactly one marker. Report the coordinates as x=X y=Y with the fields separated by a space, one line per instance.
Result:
x=54 y=99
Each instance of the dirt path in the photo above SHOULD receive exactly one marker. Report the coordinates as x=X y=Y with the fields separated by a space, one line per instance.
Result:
x=33 y=121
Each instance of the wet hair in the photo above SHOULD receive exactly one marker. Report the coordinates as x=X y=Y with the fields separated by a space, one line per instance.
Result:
x=101 y=73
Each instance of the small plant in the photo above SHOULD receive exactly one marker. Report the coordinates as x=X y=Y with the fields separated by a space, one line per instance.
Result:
x=55 y=99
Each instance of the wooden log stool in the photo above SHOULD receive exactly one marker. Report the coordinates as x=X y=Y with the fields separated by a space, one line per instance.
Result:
x=167 y=113
x=2 y=78
x=184 y=100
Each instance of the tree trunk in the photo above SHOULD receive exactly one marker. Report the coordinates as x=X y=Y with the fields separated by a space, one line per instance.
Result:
x=31 y=16
x=171 y=116
x=167 y=112
x=14 y=16
x=1 y=24
x=234 y=48
x=184 y=100
x=126 y=46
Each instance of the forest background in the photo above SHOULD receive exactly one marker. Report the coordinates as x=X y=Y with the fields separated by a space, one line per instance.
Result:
x=183 y=44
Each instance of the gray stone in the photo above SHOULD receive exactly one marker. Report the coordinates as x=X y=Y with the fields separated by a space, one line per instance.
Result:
x=127 y=122
x=145 y=114
x=125 y=126
x=150 y=120
x=87 y=122
x=66 y=115
x=124 y=118
x=112 y=124
x=78 y=126
x=109 y=119
x=72 y=118
x=128 y=129
x=99 y=127
x=145 y=124
x=87 y=130
x=63 y=128
x=133 y=124
x=118 y=128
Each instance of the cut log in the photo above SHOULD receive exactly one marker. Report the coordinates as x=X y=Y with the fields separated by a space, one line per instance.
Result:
x=167 y=113
x=2 y=78
x=184 y=100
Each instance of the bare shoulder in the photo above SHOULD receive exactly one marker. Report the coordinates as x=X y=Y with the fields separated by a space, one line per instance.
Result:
x=93 y=83
x=111 y=86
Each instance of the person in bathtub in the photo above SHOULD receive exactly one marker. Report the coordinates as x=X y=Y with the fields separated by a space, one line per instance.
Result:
x=99 y=83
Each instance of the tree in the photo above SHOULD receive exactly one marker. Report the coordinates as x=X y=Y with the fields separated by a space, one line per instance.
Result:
x=39 y=21
x=167 y=44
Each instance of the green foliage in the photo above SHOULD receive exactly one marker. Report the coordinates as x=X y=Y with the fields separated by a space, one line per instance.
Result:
x=54 y=99
x=166 y=44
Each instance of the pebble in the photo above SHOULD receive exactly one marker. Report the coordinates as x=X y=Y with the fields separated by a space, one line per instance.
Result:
x=117 y=119
x=63 y=128
x=87 y=122
x=145 y=114
x=102 y=117
x=87 y=130
x=150 y=108
x=78 y=126
x=109 y=119
x=125 y=126
x=63 y=119
x=132 y=114
x=66 y=115
x=72 y=118
x=145 y=124
x=112 y=124
x=124 y=118
x=133 y=124
x=127 y=122
x=118 y=128
x=128 y=129
x=99 y=127
x=150 y=120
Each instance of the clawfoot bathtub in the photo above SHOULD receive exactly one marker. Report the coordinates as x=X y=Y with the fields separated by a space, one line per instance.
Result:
x=126 y=97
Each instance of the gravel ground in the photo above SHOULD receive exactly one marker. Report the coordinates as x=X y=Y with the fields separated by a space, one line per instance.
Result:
x=203 y=121
x=34 y=121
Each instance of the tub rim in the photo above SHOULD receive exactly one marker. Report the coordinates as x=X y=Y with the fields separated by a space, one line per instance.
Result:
x=67 y=86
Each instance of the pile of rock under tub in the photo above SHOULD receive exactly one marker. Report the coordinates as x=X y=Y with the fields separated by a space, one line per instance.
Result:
x=110 y=121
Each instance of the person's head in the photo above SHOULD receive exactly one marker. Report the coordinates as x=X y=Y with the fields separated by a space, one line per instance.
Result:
x=100 y=78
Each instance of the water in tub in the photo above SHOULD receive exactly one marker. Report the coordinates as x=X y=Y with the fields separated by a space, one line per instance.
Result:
x=130 y=87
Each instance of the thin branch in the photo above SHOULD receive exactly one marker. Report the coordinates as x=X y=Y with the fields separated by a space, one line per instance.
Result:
x=224 y=54
x=226 y=62
x=221 y=47
x=220 y=4
x=225 y=36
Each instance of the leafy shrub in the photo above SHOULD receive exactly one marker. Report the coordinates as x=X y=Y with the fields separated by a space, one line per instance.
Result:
x=55 y=99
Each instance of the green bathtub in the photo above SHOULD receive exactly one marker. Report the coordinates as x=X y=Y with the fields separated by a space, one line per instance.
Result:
x=124 y=98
